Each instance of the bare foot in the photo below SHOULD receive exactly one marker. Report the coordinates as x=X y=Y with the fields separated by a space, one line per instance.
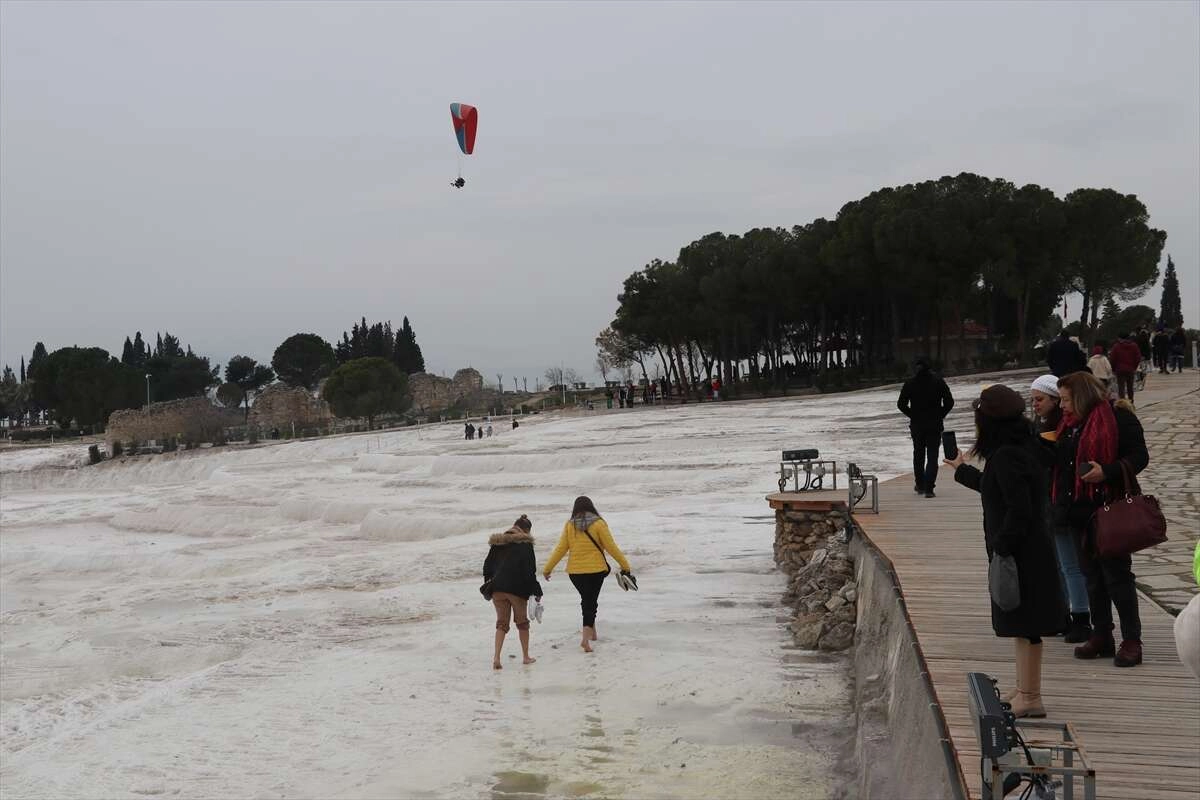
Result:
x=586 y=645
x=595 y=638
x=497 y=665
x=529 y=660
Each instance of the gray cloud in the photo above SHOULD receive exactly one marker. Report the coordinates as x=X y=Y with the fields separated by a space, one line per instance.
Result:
x=237 y=172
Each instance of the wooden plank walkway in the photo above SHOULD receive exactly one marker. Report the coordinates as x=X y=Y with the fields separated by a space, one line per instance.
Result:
x=1140 y=726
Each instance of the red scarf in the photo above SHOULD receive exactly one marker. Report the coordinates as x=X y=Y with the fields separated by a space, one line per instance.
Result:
x=1097 y=443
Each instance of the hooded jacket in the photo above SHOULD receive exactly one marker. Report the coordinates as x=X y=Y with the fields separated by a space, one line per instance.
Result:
x=584 y=556
x=1125 y=356
x=511 y=564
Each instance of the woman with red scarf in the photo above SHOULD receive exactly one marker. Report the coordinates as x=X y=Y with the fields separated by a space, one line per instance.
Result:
x=1094 y=437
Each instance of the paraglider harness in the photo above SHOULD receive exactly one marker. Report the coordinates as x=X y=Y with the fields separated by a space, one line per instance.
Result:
x=458 y=183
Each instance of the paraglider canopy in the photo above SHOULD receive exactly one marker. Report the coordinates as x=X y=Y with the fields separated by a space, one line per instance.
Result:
x=465 y=119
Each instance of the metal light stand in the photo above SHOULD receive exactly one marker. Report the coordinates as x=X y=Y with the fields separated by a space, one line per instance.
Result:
x=860 y=484
x=813 y=469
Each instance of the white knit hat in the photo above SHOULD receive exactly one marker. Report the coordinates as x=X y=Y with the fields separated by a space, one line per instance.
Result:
x=1046 y=384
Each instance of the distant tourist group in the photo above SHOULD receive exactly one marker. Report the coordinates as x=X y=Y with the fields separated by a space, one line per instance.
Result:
x=1042 y=484
x=510 y=573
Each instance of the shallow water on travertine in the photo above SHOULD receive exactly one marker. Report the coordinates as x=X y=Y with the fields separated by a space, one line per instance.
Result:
x=303 y=620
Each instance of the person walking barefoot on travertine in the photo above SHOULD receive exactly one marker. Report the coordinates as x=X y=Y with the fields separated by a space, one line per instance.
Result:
x=512 y=569
x=587 y=538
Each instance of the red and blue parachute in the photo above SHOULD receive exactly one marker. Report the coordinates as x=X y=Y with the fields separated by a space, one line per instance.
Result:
x=465 y=119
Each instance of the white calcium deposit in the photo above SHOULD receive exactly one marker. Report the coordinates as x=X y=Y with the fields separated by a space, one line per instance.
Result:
x=303 y=619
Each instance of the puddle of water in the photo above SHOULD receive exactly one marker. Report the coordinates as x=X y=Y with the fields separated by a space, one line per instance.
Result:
x=519 y=785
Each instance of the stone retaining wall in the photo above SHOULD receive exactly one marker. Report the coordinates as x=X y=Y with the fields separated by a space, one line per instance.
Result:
x=810 y=546
x=192 y=418
x=844 y=593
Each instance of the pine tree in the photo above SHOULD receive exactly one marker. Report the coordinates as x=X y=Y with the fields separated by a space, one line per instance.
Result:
x=1171 y=312
x=140 y=351
x=22 y=369
x=127 y=356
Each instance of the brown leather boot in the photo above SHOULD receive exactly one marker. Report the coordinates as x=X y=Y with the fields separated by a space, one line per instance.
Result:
x=1129 y=655
x=1100 y=644
x=1028 y=702
x=1011 y=694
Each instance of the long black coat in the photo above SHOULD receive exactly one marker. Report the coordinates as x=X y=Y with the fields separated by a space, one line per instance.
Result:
x=511 y=564
x=1012 y=486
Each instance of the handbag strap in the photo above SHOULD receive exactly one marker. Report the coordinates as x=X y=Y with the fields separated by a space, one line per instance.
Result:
x=607 y=568
x=1132 y=488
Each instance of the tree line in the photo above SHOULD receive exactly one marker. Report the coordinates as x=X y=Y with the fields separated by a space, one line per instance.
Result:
x=365 y=375
x=916 y=262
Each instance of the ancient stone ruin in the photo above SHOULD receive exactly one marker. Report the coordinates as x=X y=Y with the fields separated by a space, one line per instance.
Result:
x=193 y=419
x=811 y=547
x=280 y=406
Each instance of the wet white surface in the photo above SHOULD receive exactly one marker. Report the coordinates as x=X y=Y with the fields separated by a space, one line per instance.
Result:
x=303 y=620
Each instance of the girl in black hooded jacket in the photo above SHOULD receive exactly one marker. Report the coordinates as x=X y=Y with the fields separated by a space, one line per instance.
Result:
x=511 y=570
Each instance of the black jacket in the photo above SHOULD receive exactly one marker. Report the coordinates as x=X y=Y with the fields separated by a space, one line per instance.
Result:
x=925 y=400
x=1161 y=343
x=1131 y=448
x=511 y=565
x=1064 y=357
x=1012 y=487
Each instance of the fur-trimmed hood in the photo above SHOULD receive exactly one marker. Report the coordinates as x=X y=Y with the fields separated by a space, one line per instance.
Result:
x=513 y=535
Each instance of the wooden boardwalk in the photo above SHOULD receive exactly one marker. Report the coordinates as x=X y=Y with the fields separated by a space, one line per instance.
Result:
x=1140 y=726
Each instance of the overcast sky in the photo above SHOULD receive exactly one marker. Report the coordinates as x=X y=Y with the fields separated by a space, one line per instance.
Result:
x=239 y=172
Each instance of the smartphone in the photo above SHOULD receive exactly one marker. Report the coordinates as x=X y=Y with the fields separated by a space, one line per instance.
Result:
x=949 y=445
x=1083 y=468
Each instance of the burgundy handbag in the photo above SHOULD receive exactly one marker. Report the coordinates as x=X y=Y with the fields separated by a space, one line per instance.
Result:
x=1130 y=523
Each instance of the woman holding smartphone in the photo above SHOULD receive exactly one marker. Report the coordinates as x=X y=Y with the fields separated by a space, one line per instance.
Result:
x=1012 y=488
x=1094 y=437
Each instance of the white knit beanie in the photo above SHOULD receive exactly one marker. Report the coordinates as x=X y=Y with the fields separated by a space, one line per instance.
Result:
x=1046 y=384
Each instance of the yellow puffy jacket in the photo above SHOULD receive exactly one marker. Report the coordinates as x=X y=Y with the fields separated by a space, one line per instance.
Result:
x=584 y=556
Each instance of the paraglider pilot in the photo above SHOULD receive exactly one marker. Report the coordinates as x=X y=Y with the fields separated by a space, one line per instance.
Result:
x=458 y=184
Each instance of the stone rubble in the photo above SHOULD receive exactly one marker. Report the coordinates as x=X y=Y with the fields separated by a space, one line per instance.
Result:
x=810 y=547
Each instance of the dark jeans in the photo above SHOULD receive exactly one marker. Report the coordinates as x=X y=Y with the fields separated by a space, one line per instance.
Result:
x=1125 y=384
x=926 y=442
x=589 y=585
x=1110 y=583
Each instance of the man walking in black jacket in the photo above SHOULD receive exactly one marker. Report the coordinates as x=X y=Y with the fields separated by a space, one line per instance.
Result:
x=925 y=400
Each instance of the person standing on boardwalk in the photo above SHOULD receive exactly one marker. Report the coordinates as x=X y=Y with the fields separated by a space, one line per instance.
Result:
x=1125 y=358
x=511 y=568
x=1160 y=346
x=585 y=536
x=925 y=400
x=1012 y=488
x=1048 y=413
x=1063 y=356
x=1094 y=437
x=1178 y=344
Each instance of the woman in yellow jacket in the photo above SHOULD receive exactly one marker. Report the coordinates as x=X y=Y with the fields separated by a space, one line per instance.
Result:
x=586 y=537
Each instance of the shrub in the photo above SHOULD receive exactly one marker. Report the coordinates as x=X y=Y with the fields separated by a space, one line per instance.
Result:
x=134 y=444
x=94 y=456
x=252 y=436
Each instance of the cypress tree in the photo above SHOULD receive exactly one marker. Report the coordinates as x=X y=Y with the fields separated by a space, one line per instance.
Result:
x=1171 y=310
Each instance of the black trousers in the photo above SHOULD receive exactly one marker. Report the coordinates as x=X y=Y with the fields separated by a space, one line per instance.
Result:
x=589 y=585
x=1125 y=384
x=926 y=442
x=1110 y=583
